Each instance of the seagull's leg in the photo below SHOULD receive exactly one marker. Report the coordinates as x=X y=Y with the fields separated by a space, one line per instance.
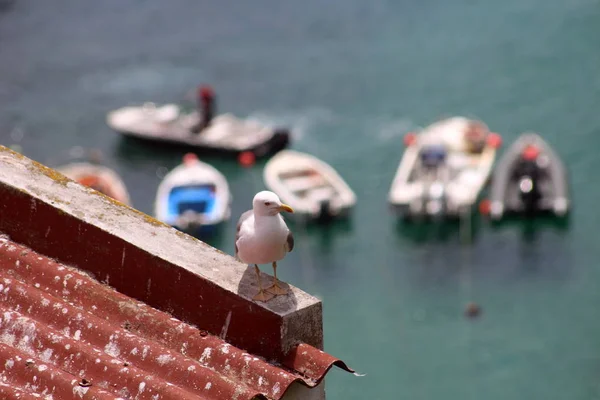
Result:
x=262 y=295
x=276 y=288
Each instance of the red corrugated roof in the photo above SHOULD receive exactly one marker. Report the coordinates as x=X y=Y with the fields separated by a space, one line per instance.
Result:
x=62 y=333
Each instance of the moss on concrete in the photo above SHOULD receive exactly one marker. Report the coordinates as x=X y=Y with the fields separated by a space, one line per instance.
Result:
x=11 y=152
x=56 y=176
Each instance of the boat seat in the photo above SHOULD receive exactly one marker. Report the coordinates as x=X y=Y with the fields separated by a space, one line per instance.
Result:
x=322 y=193
x=469 y=178
x=167 y=113
x=458 y=161
x=297 y=171
x=302 y=183
x=201 y=199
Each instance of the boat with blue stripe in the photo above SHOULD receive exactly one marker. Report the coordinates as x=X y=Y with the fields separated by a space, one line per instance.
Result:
x=194 y=198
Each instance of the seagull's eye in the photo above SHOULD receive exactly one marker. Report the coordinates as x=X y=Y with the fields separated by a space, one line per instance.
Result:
x=267 y=203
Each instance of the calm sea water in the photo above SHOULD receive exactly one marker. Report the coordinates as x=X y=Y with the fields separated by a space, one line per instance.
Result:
x=351 y=78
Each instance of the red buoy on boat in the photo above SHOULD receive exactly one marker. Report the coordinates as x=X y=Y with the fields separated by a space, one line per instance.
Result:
x=485 y=207
x=189 y=159
x=494 y=140
x=409 y=139
x=247 y=159
x=531 y=153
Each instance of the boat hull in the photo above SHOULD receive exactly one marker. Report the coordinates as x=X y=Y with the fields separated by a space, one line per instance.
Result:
x=278 y=141
x=99 y=177
x=315 y=191
x=169 y=124
x=194 y=199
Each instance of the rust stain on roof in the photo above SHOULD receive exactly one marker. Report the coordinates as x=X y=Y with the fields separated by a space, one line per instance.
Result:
x=65 y=335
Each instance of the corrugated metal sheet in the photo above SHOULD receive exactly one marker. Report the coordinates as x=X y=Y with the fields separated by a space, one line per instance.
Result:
x=64 y=334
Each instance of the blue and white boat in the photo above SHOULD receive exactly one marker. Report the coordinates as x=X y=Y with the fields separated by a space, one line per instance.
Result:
x=194 y=197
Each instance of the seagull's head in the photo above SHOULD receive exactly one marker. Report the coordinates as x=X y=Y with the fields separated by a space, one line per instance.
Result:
x=268 y=203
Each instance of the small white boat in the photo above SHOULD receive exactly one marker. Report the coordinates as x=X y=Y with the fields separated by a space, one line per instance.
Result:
x=194 y=197
x=98 y=177
x=444 y=168
x=310 y=186
x=170 y=123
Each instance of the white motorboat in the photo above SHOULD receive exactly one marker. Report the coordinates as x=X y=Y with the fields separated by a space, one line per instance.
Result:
x=444 y=168
x=171 y=123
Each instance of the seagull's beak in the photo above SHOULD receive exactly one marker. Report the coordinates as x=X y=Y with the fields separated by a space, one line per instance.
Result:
x=286 y=208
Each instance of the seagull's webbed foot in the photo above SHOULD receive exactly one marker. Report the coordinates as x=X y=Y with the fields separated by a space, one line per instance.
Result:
x=262 y=294
x=276 y=288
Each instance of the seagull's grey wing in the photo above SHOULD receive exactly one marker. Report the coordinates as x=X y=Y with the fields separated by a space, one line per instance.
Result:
x=289 y=244
x=243 y=217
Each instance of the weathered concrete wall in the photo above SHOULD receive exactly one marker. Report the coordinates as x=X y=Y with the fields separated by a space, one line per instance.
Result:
x=150 y=261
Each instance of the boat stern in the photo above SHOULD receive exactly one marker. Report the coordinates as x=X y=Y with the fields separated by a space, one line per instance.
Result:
x=280 y=139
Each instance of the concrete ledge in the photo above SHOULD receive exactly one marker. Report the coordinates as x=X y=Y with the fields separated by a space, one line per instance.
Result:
x=150 y=261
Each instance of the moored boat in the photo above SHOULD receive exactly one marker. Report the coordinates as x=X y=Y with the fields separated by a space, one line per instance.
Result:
x=98 y=177
x=194 y=197
x=309 y=185
x=443 y=169
x=199 y=129
x=529 y=179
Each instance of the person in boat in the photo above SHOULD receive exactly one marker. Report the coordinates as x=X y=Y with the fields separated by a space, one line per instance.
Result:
x=206 y=108
x=475 y=137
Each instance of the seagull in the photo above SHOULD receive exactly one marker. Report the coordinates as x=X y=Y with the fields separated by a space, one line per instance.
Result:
x=263 y=237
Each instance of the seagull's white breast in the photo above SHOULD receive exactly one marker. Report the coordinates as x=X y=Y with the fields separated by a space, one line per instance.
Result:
x=262 y=240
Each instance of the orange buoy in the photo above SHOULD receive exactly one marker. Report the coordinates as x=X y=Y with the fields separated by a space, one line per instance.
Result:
x=472 y=310
x=494 y=140
x=409 y=139
x=89 y=180
x=531 y=153
x=247 y=159
x=94 y=182
x=485 y=207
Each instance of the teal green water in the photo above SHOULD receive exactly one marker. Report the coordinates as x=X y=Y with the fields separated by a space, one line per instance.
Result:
x=351 y=78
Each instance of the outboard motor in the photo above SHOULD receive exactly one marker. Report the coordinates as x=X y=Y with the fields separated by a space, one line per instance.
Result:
x=528 y=178
x=435 y=200
x=325 y=213
x=433 y=158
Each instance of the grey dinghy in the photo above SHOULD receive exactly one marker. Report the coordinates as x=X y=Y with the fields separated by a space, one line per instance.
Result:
x=530 y=178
